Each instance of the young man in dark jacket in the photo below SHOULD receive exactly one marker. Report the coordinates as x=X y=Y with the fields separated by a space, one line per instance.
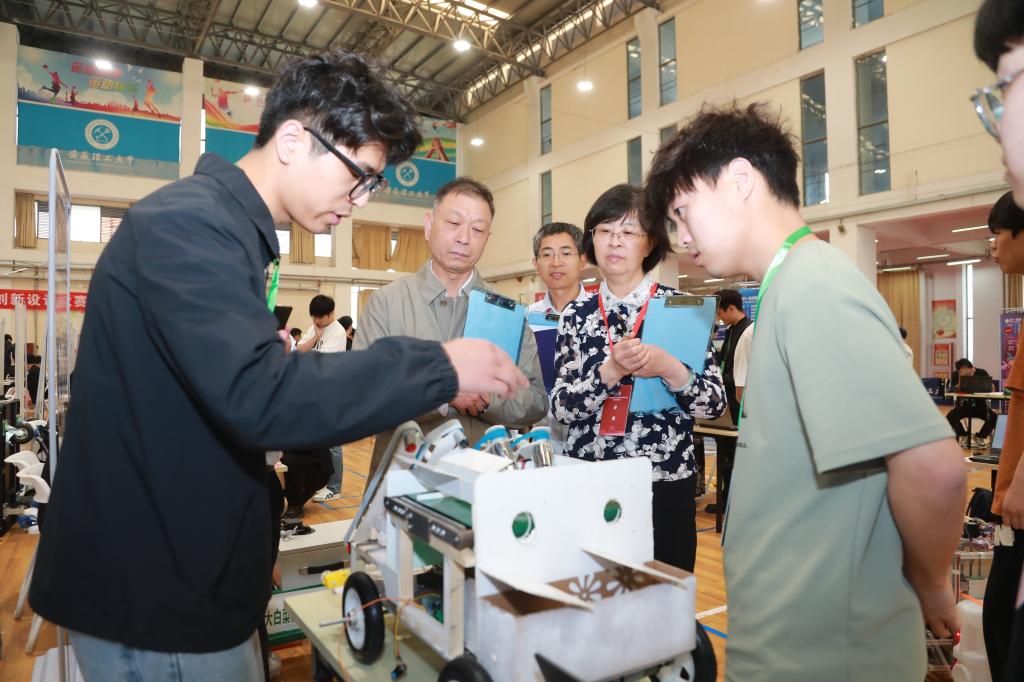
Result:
x=158 y=544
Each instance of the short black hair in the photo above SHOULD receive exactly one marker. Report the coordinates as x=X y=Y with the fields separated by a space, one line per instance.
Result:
x=617 y=203
x=33 y=359
x=729 y=297
x=346 y=321
x=296 y=332
x=1006 y=215
x=1000 y=23
x=321 y=305
x=711 y=140
x=552 y=229
x=963 y=362
x=344 y=98
x=464 y=185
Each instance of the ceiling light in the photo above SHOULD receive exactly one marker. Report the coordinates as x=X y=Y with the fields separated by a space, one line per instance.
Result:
x=307 y=3
x=964 y=262
x=585 y=86
x=104 y=64
x=968 y=229
x=589 y=279
x=938 y=255
x=683 y=276
x=880 y=171
x=477 y=141
x=899 y=269
x=252 y=91
x=461 y=45
x=713 y=279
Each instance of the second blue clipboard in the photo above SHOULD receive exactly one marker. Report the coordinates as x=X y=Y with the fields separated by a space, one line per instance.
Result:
x=680 y=324
x=498 y=319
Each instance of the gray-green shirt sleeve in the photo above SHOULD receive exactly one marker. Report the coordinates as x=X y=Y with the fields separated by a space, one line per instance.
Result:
x=858 y=398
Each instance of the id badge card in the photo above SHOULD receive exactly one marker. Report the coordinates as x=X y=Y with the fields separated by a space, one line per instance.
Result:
x=615 y=412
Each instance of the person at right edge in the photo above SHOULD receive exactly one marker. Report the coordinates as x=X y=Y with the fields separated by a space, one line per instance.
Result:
x=839 y=539
x=161 y=527
x=999 y=42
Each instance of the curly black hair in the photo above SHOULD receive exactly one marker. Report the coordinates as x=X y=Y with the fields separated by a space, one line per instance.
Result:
x=1000 y=23
x=343 y=97
x=712 y=139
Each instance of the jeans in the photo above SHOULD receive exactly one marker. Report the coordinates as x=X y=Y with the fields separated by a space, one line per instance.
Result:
x=334 y=484
x=101 y=660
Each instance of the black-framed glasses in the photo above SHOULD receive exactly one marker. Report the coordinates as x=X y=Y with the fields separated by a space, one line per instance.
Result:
x=988 y=102
x=369 y=183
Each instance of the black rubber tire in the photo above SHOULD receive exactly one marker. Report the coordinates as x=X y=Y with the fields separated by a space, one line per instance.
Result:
x=373 y=617
x=705 y=665
x=463 y=669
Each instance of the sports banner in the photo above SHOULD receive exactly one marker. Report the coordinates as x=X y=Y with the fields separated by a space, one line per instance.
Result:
x=124 y=119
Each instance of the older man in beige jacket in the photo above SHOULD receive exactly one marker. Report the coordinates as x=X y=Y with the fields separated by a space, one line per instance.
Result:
x=432 y=303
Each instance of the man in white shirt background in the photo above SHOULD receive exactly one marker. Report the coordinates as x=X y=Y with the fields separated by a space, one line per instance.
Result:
x=559 y=259
x=732 y=358
x=325 y=335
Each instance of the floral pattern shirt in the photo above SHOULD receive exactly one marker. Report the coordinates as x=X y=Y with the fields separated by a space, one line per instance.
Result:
x=577 y=398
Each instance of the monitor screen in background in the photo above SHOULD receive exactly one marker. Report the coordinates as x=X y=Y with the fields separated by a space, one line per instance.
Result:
x=999 y=433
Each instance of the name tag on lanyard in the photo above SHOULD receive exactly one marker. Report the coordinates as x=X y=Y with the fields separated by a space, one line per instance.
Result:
x=615 y=412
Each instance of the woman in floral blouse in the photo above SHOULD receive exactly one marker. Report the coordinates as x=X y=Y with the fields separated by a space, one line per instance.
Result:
x=591 y=374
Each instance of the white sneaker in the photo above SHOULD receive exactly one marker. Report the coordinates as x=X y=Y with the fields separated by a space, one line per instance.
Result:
x=324 y=494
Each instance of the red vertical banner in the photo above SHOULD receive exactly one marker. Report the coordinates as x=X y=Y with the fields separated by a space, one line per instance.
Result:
x=942 y=359
x=944 y=320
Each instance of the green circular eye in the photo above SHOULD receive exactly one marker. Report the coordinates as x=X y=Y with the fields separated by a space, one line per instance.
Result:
x=612 y=511
x=523 y=525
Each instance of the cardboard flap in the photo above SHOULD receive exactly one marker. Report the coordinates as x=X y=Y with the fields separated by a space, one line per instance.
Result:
x=537 y=589
x=654 y=569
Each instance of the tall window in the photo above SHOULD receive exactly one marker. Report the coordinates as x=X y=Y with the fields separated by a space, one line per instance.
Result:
x=323 y=244
x=634 y=163
x=545 y=198
x=967 y=296
x=545 y=119
x=635 y=102
x=866 y=11
x=814 y=133
x=811 y=22
x=667 y=61
x=95 y=224
x=873 y=124
x=666 y=133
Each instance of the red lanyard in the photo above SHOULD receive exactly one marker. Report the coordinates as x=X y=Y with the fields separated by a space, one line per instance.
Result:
x=639 y=318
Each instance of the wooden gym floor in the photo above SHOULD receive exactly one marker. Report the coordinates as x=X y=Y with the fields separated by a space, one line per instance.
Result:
x=16 y=549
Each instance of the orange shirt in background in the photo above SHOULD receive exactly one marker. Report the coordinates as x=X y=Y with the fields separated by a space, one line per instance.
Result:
x=1013 y=444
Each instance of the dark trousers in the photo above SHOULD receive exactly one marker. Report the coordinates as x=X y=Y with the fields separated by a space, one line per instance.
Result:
x=276 y=494
x=308 y=471
x=726 y=448
x=1000 y=600
x=981 y=412
x=675 y=522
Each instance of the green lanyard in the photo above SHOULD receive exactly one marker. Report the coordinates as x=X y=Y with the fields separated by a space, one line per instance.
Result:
x=773 y=269
x=274 y=281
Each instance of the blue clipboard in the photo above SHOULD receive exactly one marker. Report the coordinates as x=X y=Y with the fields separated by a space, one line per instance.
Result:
x=682 y=325
x=545 y=331
x=498 y=319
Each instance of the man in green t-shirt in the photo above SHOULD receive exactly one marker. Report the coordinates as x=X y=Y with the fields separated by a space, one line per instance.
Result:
x=848 y=488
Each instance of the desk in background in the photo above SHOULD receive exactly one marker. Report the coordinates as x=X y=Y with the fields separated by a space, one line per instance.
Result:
x=712 y=429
